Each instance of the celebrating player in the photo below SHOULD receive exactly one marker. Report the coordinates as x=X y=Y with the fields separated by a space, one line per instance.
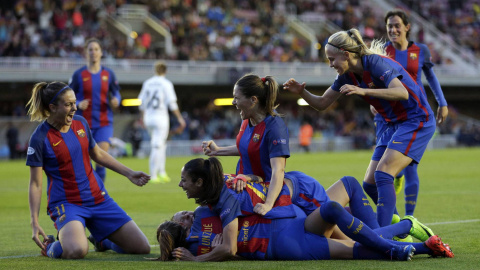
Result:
x=62 y=146
x=415 y=58
x=158 y=96
x=263 y=140
x=388 y=87
x=97 y=90
x=281 y=234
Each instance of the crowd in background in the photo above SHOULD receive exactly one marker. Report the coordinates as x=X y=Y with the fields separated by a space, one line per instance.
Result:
x=216 y=30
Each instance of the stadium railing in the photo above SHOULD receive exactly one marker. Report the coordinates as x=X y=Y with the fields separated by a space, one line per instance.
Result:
x=135 y=71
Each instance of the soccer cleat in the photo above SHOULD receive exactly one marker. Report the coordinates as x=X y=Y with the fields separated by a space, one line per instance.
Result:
x=46 y=242
x=398 y=183
x=395 y=219
x=164 y=178
x=408 y=239
x=402 y=253
x=418 y=230
x=155 y=180
x=98 y=245
x=439 y=248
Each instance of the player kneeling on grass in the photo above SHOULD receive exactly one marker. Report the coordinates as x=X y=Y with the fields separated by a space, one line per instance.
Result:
x=77 y=199
x=282 y=234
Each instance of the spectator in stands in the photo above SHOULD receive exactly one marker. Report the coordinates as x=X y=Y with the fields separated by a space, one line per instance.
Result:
x=12 y=140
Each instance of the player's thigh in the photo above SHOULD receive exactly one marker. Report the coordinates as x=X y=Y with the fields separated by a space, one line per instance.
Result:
x=338 y=193
x=393 y=162
x=340 y=249
x=73 y=239
x=370 y=173
x=131 y=239
x=314 y=223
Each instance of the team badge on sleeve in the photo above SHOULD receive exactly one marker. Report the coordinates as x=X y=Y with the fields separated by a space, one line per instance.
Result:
x=30 y=151
x=81 y=133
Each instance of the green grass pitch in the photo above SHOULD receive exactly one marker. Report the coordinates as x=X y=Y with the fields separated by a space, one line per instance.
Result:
x=449 y=202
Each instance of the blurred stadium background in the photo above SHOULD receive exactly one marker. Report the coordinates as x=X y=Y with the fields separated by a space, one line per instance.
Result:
x=209 y=44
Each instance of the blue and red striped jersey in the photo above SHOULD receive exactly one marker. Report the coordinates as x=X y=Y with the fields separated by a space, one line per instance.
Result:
x=379 y=71
x=66 y=161
x=206 y=225
x=254 y=230
x=258 y=144
x=98 y=88
x=231 y=204
x=253 y=238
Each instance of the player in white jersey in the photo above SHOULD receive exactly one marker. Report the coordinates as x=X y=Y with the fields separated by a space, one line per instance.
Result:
x=158 y=96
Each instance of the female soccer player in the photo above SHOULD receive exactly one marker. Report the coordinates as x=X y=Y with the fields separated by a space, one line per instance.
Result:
x=414 y=57
x=277 y=235
x=62 y=146
x=388 y=87
x=263 y=140
x=98 y=92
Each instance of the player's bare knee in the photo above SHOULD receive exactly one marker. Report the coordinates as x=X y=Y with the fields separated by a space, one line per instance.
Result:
x=75 y=252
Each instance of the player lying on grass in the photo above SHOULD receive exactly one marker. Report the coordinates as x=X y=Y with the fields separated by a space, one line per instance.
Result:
x=285 y=233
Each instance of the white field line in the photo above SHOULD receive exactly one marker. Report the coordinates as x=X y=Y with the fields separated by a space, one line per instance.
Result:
x=428 y=224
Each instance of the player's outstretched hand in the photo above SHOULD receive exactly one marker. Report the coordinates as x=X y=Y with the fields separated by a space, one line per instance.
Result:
x=262 y=209
x=182 y=254
x=210 y=148
x=293 y=86
x=139 y=178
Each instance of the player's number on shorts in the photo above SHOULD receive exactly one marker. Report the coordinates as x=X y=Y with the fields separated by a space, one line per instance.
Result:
x=58 y=209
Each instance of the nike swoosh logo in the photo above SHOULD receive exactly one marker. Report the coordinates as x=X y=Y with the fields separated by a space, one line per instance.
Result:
x=55 y=144
x=395 y=141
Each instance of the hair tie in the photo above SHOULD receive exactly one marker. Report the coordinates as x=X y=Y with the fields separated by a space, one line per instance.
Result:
x=340 y=48
x=263 y=79
x=58 y=93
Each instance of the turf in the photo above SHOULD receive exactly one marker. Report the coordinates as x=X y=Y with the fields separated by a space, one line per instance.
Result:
x=448 y=202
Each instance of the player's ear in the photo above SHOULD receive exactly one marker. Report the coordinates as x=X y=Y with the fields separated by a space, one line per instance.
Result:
x=254 y=99
x=199 y=182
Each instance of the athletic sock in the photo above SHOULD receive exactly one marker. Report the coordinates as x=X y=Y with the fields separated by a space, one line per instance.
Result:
x=107 y=244
x=420 y=248
x=332 y=212
x=371 y=190
x=412 y=184
x=401 y=228
x=386 y=198
x=359 y=203
x=55 y=250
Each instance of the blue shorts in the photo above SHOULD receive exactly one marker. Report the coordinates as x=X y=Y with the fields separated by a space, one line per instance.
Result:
x=101 y=220
x=308 y=193
x=102 y=134
x=409 y=137
x=290 y=241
